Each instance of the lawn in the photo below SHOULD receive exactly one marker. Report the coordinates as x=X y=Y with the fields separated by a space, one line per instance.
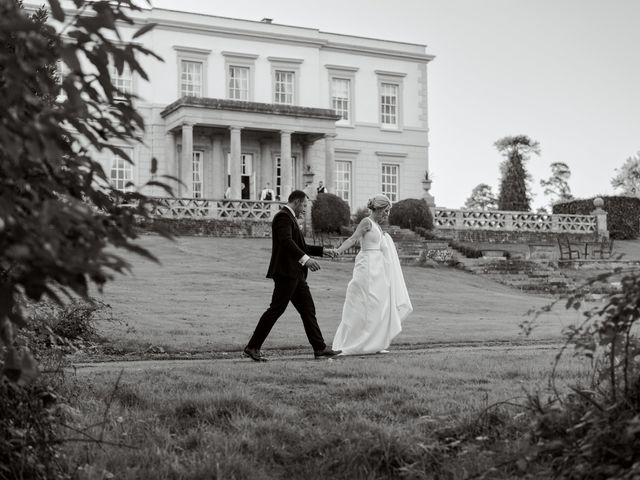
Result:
x=399 y=415
x=422 y=411
x=208 y=294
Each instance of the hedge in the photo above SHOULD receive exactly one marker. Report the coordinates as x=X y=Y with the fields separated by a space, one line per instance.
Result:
x=411 y=213
x=623 y=214
x=329 y=213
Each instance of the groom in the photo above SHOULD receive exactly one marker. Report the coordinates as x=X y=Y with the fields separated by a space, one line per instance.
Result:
x=288 y=268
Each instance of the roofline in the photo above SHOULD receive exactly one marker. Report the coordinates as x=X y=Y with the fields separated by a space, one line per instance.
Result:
x=291 y=26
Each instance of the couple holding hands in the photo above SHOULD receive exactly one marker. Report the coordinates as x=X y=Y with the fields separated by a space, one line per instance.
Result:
x=376 y=301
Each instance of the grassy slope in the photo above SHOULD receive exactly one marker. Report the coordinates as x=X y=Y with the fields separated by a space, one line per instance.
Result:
x=209 y=293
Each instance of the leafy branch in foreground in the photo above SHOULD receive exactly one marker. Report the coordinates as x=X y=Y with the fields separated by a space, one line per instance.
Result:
x=58 y=212
x=593 y=430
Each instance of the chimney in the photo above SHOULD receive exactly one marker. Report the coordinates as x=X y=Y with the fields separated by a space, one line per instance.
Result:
x=267 y=20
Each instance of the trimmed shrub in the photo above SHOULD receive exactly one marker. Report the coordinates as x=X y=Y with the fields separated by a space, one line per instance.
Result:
x=411 y=213
x=328 y=213
x=361 y=213
x=623 y=214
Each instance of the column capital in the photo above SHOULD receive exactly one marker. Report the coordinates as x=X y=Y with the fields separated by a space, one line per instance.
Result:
x=233 y=128
x=330 y=135
x=187 y=125
x=286 y=132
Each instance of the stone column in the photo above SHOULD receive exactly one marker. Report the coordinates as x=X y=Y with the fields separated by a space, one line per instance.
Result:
x=285 y=165
x=235 y=163
x=601 y=217
x=170 y=163
x=186 y=168
x=330 y=163
x=219 y=180
x=266 y=164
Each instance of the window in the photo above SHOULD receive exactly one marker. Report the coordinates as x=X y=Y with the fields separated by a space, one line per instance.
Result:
x=343 y=180
x=192 y=66
x=390 y=99
x=294 y=174
x=284 y=87
x=123 y=82
x=389 y=105
x=341 y=97
x=238 y=83
x=191 y=78
x=196 y=174
x=390 y=181
x=285 y=75
x=121 y=172
x=245 y=166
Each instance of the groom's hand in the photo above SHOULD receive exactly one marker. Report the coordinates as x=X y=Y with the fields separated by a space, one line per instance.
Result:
x=312 y=265
x=330 y=252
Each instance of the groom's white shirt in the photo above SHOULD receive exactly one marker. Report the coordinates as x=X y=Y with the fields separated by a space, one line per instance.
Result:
x=305 y=258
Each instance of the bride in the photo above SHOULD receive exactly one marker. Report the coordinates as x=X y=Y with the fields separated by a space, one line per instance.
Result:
x=377 y=300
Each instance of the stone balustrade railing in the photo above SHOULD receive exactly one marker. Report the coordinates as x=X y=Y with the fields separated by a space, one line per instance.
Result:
x=207 y=208
x=443 y=218
x=517 y=221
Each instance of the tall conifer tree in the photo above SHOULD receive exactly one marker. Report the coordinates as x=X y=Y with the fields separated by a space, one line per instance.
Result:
x=514 y=191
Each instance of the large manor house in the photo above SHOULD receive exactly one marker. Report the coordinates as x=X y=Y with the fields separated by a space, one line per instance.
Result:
x=238 y=103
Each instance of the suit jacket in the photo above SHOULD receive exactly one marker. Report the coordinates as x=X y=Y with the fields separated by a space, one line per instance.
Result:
x=288 y=247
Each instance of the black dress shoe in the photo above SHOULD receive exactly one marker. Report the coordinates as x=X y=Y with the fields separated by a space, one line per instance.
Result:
x=326 y=352
x=254 y=354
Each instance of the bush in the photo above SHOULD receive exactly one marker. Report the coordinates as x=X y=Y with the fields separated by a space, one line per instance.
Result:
x=53 y=330
x=593 y=432
x=328 y=213
x=361 y=213
x=28 y=432
x=623 y=214
x=411 y=213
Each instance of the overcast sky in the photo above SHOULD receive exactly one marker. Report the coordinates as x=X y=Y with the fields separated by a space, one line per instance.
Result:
x=564 y=72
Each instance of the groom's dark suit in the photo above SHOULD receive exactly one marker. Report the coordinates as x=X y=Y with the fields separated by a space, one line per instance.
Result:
x=289 y=277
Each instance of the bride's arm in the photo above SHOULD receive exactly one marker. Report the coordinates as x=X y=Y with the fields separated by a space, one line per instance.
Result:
x=363 y=227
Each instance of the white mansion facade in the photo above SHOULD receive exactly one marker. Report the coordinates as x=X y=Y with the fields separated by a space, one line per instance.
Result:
x=240 y=103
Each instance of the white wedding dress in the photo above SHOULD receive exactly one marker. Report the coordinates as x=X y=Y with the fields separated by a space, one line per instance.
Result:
x=377 y=301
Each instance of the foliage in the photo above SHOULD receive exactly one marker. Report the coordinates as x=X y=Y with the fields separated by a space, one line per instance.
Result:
x=466 y=250
x=557 y=185
x=28 y=441
x=411 y=213
x=482 y=198
x=54 y=330
x=623 y=214
x=328 y=213
x=361 y=213
x=514 y=192
x=594 y=432
x=627 y=178
x=58 y=213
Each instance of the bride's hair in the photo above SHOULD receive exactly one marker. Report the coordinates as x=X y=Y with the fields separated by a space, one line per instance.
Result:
x=378 y=201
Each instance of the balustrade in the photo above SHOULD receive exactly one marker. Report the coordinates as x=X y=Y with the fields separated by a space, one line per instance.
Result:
x=206 y=208
x=513 y=221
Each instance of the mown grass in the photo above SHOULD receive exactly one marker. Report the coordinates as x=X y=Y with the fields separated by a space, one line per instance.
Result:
x=209 y=293
x=400 y=415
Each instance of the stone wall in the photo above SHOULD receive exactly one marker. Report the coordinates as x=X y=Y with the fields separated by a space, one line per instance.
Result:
x=492 y=236
x=210 y=227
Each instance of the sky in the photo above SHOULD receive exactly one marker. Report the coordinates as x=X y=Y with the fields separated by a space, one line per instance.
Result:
x=564 y=72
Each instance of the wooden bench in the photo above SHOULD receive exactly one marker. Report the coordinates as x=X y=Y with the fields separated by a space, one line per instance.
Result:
x=568 y=251
x=602 y=249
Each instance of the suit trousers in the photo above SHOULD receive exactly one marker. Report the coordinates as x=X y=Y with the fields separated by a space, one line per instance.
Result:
x=296 y=291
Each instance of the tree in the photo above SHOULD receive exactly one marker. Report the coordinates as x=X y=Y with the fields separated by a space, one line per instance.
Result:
x=514 y=190
x=58 y=213
x=482 y=198
x=557 y=185
x=628 y=176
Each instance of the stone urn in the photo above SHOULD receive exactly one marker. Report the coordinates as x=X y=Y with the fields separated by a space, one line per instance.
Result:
x=426 y=186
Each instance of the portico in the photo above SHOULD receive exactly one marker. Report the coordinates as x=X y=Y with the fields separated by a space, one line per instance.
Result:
x=213 y=145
